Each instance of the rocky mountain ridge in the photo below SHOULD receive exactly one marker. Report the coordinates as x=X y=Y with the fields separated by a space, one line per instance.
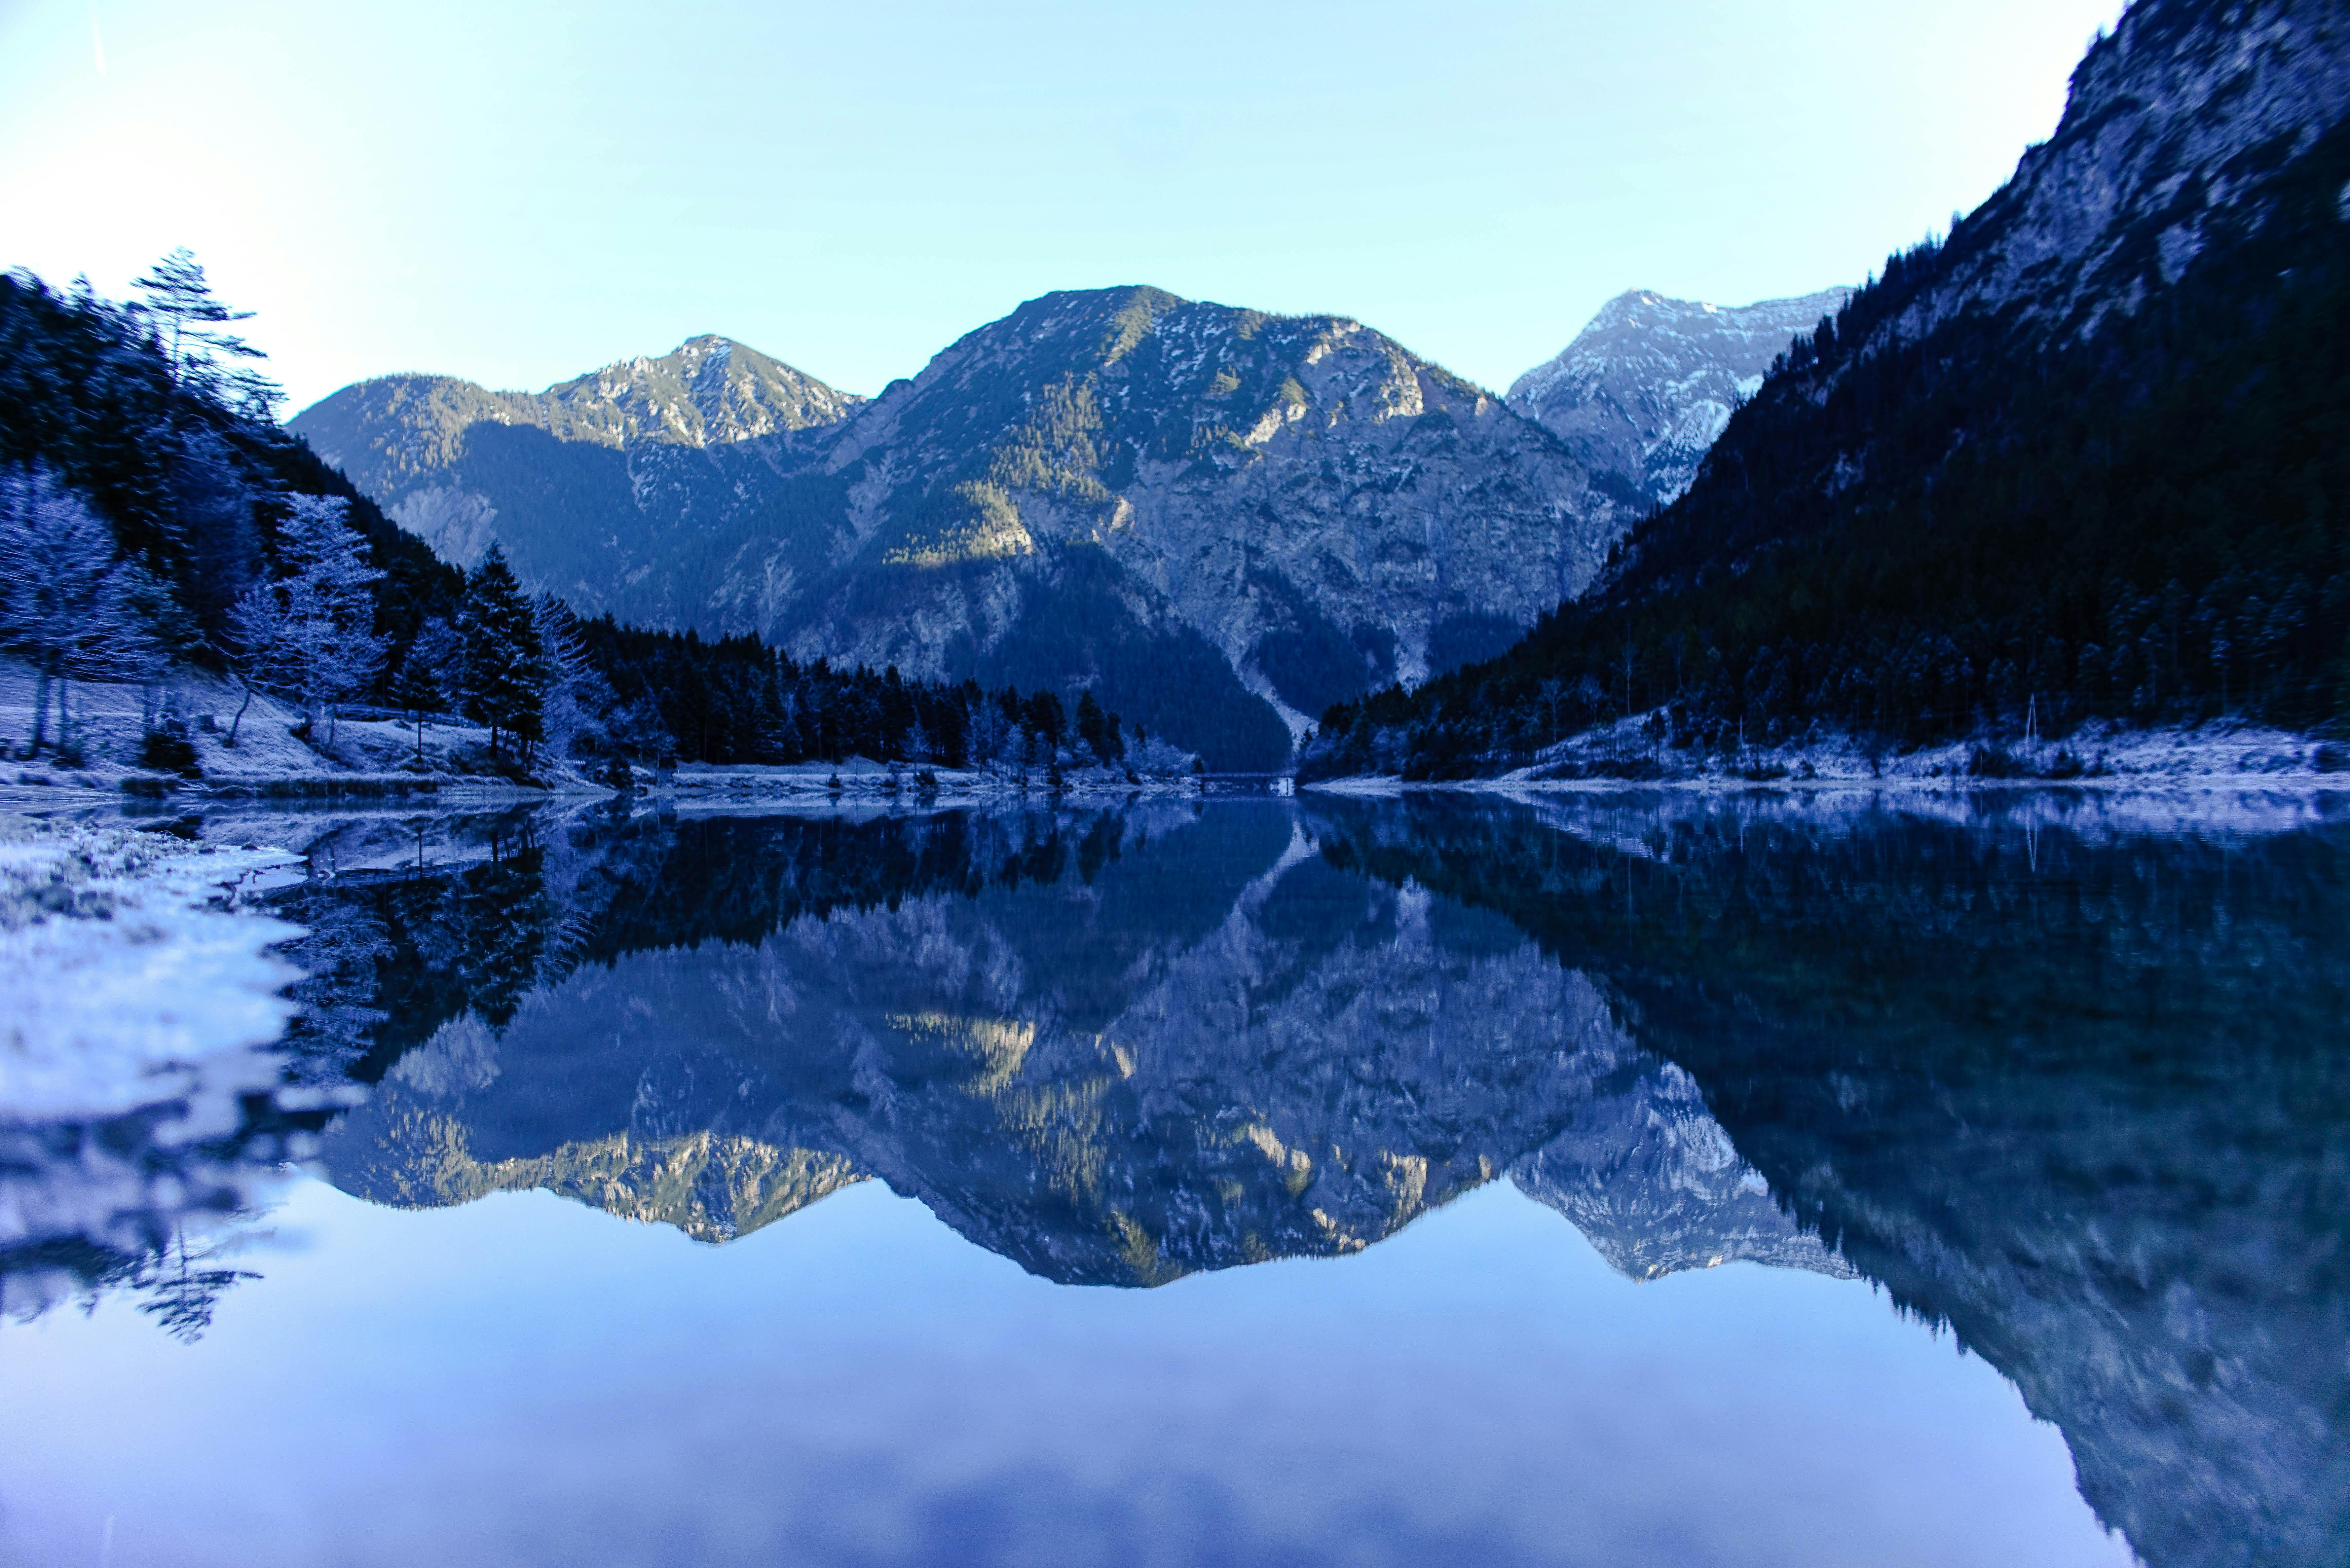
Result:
x=594 y=482
x=392 y=431
x=2176 y=124
x=1219 y=520
x=1649 y=383
x=1326 y=509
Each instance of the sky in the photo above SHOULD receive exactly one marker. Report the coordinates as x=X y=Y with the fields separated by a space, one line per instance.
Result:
x=521 y=192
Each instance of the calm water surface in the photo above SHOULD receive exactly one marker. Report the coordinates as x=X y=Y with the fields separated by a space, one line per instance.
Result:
x=1638 y=1180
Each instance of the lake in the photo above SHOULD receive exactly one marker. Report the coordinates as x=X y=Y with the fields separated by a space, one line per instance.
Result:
x=1611 y=1178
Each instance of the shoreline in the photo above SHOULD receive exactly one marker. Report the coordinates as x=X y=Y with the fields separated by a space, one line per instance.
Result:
x=135 y=966
x=1390 y=785
x=2224 y=755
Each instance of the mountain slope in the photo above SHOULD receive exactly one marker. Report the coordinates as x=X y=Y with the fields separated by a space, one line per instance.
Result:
x=2083 y=458
x=591 y=484
x=193 y=489
x=396 y=431
x=1211 y=517
x=1648 y=385
x=1325 y=510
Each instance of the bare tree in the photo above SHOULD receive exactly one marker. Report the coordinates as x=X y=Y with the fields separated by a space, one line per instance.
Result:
x=70 y=605
x=1554 y=692
x=256 y=650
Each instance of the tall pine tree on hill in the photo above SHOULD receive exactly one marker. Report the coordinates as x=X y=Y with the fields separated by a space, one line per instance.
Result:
x=192 y=319
x=504 y=678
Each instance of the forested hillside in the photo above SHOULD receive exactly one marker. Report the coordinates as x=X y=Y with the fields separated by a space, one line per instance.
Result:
x=154 y=518
x=179 y=457
x=2085 y=457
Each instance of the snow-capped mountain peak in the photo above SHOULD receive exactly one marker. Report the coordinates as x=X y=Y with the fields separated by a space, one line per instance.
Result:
x=1649 y=384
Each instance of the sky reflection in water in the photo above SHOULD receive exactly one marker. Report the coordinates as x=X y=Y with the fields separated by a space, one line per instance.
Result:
x=2056 y=1075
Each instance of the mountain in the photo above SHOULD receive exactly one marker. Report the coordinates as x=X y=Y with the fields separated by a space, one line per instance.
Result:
x=2080 y=459
x=394 y=432
x=1649 y=383
x=1328 y=511
x=592 y=484
x=1219 y=520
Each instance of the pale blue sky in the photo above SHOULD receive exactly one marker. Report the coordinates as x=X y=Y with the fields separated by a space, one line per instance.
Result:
x=516 y=193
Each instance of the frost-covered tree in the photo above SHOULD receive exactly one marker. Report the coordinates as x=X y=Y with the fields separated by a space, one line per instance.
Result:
x=309 y=633
x=1152 y=757
x=987 y=732
x=567 y=677
x=503 y=661
x=71 y=606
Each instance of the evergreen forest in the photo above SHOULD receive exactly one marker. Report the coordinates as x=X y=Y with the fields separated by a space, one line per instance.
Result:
x=1990 y=529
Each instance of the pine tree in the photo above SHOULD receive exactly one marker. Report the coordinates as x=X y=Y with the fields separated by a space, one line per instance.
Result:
x=430 y=675
x=192 y=318
x=774 y=738
x=503 y=677
x=1044 y=720
x=1097 y=730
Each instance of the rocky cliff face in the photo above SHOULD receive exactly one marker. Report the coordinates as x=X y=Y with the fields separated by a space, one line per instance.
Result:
x=1327 y=509
x=2174 y=132
x=1649 y=385
x=1220 y=521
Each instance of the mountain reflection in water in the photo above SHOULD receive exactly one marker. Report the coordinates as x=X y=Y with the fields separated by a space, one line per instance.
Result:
x=2057 y=1071
x=1114 y=1049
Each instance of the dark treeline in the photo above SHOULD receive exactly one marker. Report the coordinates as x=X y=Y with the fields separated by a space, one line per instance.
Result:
x=735 y=699
x=1966 y=532
x=148 y=415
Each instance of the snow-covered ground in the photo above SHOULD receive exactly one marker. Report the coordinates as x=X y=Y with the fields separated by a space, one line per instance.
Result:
x=2223 y=754
x=108 y=725
x=380 y=756
x=139 y=1008
x=129 y=966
